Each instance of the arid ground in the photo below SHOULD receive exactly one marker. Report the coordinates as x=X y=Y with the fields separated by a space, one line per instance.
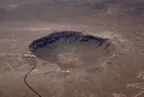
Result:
x=22 y=21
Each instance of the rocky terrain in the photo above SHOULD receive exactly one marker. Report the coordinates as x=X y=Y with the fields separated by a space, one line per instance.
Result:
x=22 y=21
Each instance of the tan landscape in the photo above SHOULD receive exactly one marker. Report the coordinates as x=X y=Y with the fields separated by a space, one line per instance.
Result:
x=21 y=22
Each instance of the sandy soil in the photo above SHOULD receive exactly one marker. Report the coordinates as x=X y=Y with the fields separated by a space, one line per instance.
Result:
x=123 y=75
